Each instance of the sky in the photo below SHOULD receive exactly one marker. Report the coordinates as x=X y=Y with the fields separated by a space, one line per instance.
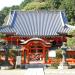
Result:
x=9 y=3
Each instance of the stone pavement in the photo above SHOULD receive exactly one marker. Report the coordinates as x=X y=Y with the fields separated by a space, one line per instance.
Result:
x=46 y=71
x=35 y=71
x=60 y=72
x=12 y=72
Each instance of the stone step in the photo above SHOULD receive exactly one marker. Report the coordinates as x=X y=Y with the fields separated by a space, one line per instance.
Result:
x=35 y=71
x=36 y=66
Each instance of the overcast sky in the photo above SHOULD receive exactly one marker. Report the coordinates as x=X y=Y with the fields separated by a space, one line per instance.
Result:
x=8 y=3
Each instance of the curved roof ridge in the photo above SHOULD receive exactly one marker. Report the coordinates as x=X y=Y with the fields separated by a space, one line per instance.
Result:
x=72 y=27
x=38 y=10
x=31 y=39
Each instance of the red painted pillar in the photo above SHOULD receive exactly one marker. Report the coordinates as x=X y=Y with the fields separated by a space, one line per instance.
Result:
x=17 y=42
x=11 y=40
x=27 y=55
x=44 y=54
x=22 y=56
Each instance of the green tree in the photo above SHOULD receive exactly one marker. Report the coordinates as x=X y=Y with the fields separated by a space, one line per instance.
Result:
x=71 y=41
x=69 y=7
x=5 y=12
x=15 y=8
x=54 y=4
x=24 y=3
x=35 y=6
x=2 y=16
x=39 y=0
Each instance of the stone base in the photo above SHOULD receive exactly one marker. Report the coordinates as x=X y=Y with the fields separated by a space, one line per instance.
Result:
x=62 y=67
x=5 y=67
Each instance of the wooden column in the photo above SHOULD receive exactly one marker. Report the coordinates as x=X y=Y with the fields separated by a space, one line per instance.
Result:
x=17 y=42
x=44 y=54
x=27 y=55
x=11 y=40
x=22 y=57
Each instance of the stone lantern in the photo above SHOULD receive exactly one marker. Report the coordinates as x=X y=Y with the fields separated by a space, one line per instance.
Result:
x=63 y=64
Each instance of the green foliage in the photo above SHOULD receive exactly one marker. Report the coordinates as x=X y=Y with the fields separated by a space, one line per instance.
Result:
x=15 y=8
x=5 y=12
x=38 y=0
x=72 y=23
x=24 y=3
x=43 y=4
x=71 y=41
x=2 y=42
x=72 y=32
x=69 y=7
x=2 y=16
x=2 y=35
x=35 y=6
x=53 y=4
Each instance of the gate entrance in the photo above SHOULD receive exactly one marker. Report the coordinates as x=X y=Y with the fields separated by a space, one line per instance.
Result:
x=35 y=51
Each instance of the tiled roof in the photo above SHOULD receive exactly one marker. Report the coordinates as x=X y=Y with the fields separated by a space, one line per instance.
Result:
x=39 y=23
